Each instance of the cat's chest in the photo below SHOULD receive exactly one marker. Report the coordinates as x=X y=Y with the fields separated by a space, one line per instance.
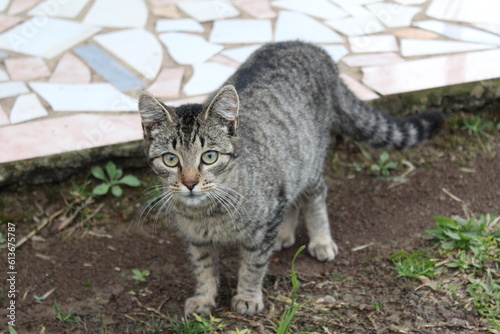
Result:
x=218 y=228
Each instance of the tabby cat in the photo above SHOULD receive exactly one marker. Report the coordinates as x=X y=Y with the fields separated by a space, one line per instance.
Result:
x=237 y=169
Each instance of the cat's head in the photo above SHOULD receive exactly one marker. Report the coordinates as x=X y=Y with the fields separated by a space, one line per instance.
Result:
x=193 y=146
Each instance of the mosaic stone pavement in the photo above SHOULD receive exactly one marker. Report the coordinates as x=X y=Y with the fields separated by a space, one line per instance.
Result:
x=71 y=70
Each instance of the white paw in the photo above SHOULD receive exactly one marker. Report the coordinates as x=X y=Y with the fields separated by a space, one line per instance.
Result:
x=284 y=242
x=200 y=305
x=247 y=305
x=324 y=249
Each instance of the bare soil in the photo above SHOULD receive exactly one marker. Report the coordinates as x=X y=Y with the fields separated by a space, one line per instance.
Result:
x=88 y=263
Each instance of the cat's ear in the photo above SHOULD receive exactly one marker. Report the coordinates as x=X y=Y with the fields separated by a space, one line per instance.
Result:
x=225 y=106
x=154 y=112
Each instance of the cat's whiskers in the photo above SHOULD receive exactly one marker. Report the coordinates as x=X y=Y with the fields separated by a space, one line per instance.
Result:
x=223 y=202
x=234 y=202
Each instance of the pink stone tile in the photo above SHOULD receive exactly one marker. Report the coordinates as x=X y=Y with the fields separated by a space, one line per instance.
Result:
x=7 y=22
x=168 y=83
x=433 y=72
x=66 y=134
x=26 y=68
x=71 y=69
x=225 y=61
x=372 y=59
x=414 y=33
x=260 y=9
x=19 y=6
x=3 y=117
x=167 y=11
x=361 y=91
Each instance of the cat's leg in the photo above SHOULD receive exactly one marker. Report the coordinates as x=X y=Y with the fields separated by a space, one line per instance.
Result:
x=253 y=267
x=205 y=261
x=286 y=232
x=321 y=245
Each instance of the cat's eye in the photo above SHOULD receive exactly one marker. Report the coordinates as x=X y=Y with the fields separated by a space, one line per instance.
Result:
x=209 y=157
x=170 y=159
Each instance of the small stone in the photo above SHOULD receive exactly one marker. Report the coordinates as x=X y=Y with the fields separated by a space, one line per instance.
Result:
x=329 y=300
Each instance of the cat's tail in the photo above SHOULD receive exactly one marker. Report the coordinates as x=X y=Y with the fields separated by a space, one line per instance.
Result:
x=363 y=122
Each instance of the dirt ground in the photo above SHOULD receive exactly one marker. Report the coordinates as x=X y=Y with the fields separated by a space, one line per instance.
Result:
x=87 y=266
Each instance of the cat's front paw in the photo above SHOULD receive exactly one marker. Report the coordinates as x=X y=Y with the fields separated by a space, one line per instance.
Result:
x=201 y=305
x=247 y=305
x=323 y=250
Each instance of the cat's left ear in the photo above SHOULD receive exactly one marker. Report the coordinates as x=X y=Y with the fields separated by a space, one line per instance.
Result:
x=224 y=107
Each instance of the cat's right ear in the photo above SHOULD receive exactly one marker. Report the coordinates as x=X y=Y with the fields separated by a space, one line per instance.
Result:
x=154 y=112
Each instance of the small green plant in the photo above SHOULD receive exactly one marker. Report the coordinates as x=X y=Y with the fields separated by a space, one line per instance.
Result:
x=12 y=330
x=473 y=247
x=65 y=318
x=383 y=166
x=415 y=265
x=283 y=326
x=477 y=126
x=113 y=178
x=140 y=275
x=198 y=325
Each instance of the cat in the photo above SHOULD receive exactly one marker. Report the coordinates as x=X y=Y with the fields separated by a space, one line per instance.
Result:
x=238 y=169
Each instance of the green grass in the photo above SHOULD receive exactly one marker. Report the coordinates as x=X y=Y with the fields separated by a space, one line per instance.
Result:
x=283 y=327
x=198 y=325
x=415 y=265
x=140 y=275
x=69 y=317
x=471 y=247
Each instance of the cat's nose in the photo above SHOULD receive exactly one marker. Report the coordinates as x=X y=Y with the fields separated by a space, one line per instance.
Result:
x=190 y=184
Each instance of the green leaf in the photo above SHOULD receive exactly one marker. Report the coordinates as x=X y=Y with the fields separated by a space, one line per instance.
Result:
x=384 y=157
x=12 y=330
x=130 y=180
x=98 y=173
x=119 y=173
x=391 y=165
x=101 y=189
x=375 y=168
x=111 y=169
x=117 y=190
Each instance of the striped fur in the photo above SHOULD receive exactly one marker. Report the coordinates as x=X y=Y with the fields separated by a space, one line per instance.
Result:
x=270 y=124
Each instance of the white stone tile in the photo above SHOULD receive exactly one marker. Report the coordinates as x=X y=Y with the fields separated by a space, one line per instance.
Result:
x=472 y=11
x=26 y=108
x=48 y=40
x=294 y=25
x=84 y=97
x=3 y=75
x=67 y=9
x=336 y=52
x=12 y=88
x=410 y=2
x=207 y=77
x=3 y=4
x=491 y=27
x=357 y=11
x=179 y=25
x=420 y=47
x=259 y=9
x=394 y=15
x=138 y=48
x=376 y=59
x=208 y=10
x=459 y=32
x=371 y=44
x=241 y=54
x=323 y=9
x=348 y=3
x=241 y=31
x=19 y=6
x=357 y=26
x=362 y=92
x=188 y=49
x=433 y=72
x=118 y=14
x=4 y=120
